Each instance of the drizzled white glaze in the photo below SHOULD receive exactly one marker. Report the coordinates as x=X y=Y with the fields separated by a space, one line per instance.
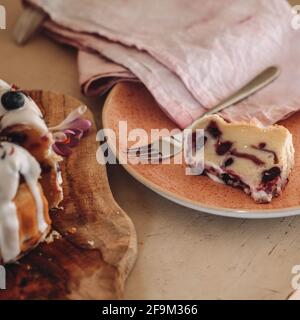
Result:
x=15 y=160
x=29 y=114
x=4 y=85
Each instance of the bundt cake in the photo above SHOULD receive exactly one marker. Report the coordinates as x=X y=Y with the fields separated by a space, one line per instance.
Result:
x=30 y=181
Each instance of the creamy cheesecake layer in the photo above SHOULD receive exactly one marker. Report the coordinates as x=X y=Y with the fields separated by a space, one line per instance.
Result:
x=255 y=159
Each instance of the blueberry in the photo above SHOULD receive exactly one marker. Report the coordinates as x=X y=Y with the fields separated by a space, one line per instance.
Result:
x=225 y=177
x=223 y=147
x=262 y=145
x=228 y=162
x=228 y=179
x=13 y=100
x=271 y=174
x=214 y=130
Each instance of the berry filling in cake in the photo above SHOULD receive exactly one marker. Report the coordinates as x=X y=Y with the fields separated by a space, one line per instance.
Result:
x=256 y=159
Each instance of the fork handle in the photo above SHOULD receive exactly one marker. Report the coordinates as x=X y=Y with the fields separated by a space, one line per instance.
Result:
x=259 y=82
x=28 y=23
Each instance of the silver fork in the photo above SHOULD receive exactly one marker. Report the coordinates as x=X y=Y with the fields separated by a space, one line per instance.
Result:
x=167 y=147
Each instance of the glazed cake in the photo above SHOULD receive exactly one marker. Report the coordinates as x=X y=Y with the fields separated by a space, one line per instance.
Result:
x=21 y=122
x=30 y=180
x=256 y=159
x=24 y=214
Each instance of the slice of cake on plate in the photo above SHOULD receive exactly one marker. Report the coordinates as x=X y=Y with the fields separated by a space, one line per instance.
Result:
x=256 y=159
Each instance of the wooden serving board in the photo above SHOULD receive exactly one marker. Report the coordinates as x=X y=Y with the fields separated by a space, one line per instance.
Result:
x=94 y=261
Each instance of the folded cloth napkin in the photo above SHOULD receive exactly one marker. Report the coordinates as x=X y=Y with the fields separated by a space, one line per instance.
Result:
x=190 y=54
x=97 y=75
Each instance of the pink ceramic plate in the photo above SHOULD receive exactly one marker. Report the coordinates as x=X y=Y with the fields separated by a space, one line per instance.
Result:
x=131 y=102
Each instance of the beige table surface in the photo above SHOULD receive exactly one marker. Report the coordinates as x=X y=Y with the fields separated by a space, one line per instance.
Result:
x=183 y=254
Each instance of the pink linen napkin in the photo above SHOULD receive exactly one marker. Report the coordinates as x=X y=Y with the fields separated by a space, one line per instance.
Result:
x=190 y=54
x=97 y=75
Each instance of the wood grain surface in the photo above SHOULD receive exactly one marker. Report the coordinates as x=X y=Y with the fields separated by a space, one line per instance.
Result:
x=97 y=248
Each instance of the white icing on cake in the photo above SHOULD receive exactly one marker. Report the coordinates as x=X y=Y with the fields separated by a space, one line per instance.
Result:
x=4 y=85
x=29 y=114
x=16 y=161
